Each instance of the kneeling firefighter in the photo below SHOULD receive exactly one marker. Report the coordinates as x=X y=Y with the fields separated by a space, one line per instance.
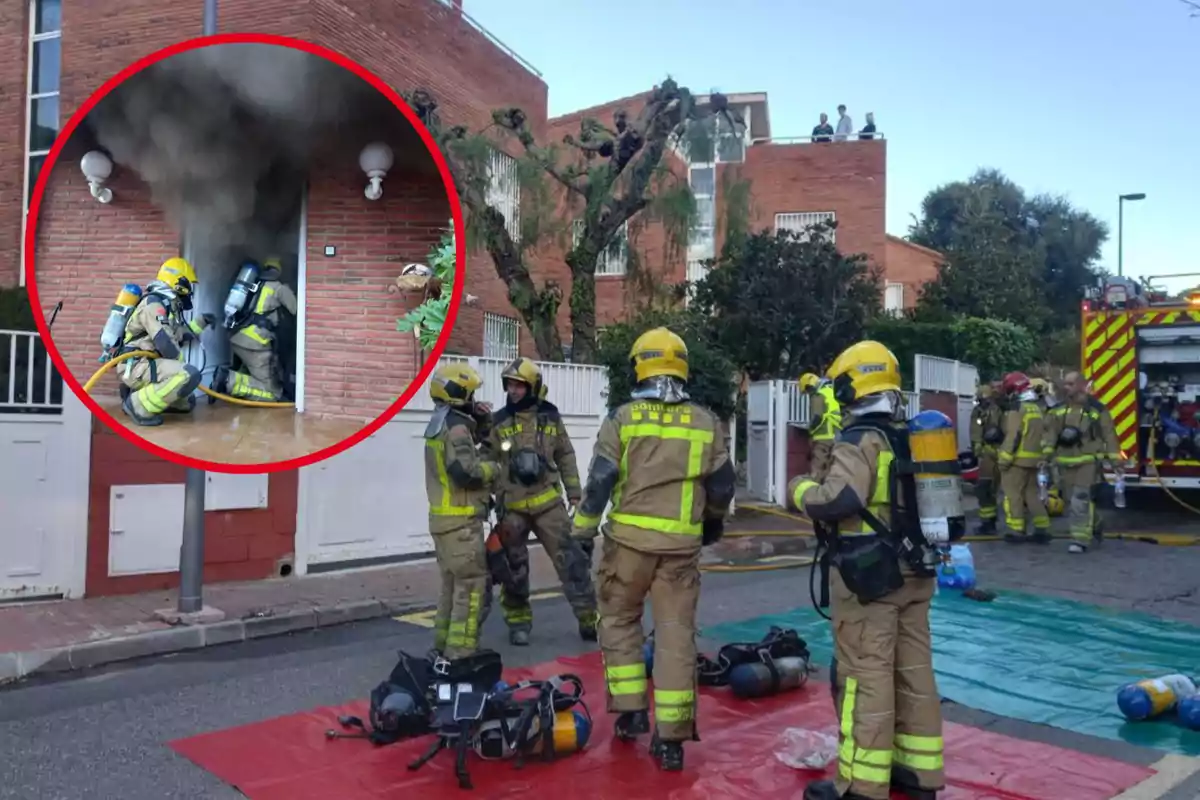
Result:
x=825 y=420
x=166 y=384
x=459 y=484
x=987 y=432
x=881 y=588
x=253 y=312
x=530 y=441
x=662 y=460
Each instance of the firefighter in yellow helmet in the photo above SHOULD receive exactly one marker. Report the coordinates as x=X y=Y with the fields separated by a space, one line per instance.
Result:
x=663 y=462
x=153 y=386
x=825 y=421
x=987 y=432
x=261 y=298
x=1022 y=454
x=881 y=585
x=537 y=461
x=1080 y=438
x=459 y=484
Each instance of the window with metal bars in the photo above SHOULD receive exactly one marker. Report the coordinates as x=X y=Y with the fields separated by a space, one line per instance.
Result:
x=615 y=257
x=504 y=191
x=800 y=222
x=501 y=337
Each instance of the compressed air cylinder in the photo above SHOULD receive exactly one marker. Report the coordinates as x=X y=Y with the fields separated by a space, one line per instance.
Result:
x=1189 y=712
x=934 y=444
x=748 y=681
x=1151 y=698
x=572 y=729
x=118 y=316
x=243 y=286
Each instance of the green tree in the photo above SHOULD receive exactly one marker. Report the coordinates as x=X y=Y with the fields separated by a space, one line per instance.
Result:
x=1008 y=256
x=428 y=319
x=712 y=382
x=780 y=303
x=610 y=175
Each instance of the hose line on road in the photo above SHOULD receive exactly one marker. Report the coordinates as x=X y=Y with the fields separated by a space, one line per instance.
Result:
x=87 y=387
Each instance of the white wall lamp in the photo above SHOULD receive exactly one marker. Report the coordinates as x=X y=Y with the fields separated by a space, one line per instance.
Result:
x=375 y=160
x=97 y=167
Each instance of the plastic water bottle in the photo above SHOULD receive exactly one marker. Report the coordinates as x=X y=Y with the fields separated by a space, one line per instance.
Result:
x=1151 y=698
x=960 y=572
x=1119 y=491
x=1189 y=712
x=1043 y=484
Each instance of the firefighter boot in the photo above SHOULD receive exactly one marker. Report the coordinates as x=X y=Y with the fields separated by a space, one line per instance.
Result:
x=827 y=790
x=987 y=527
x=587 y=629
x=1041 y=536
x=518 y=638
x=148 y=422
x=903 y=780
x=631 y=724
x=669 y=755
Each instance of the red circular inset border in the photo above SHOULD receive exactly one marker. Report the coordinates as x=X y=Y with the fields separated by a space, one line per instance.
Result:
x=77 y=118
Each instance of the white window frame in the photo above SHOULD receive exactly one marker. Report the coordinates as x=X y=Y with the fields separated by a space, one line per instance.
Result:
x=889 y=306
x=30 y=97
x=496 y=328
x=615 y=258
x=799 y=222
x=706 y=249
x=504 y=191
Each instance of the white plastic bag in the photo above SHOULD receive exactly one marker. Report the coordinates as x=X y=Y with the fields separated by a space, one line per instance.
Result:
x=802 y=748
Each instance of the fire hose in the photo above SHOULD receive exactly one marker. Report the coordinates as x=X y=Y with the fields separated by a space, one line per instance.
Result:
x=1153 y=469
x=87 y=387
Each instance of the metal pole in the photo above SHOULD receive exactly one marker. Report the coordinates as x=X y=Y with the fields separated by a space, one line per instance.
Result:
x=1120 y=236
x=191 y=552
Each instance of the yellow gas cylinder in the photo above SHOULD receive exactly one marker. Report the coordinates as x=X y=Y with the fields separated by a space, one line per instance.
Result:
x=118 y=317
x=934 y=444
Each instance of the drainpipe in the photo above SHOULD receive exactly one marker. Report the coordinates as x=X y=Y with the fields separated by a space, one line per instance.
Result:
x=191 y=552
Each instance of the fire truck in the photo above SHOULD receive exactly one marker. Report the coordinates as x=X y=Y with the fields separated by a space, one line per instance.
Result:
x=1140 y=348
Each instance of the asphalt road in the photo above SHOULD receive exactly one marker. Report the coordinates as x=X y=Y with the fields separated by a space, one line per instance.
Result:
x=103 y=734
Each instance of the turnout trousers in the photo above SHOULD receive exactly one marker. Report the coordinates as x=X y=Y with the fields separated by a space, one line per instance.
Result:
x=1021 y=500
x=463 y=566
x=889 y=710
x=626 y=577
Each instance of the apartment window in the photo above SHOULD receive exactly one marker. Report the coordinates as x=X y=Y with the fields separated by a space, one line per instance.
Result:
x=41 y=111
x=893 y=298
x=615 y=257
x=702 y=180
x=501 y=337
x=504 y=191
x=801 y=222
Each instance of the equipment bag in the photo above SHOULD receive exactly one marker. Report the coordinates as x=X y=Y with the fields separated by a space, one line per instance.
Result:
x=399 y=707
x=778 y=643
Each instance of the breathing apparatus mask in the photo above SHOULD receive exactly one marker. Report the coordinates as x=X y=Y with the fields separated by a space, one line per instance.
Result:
x=890 y=403
x=664 y=388
x=1027 y=396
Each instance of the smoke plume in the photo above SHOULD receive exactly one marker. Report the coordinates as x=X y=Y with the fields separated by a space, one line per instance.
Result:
x=224 y=135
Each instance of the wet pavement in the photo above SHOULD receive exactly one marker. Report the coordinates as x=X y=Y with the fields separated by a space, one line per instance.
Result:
x=231 y=434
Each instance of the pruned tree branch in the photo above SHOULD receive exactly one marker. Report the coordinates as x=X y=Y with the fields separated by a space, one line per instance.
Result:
x=513 y=120
x=1193 y=6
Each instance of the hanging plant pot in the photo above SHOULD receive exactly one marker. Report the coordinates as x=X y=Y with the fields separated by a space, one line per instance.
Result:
x=410 y=284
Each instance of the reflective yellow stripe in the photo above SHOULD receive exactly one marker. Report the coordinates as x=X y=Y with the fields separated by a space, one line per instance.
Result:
x=444 y=509
x=881 y=499
x=537 y=501
x=857 y=763
x=626 y=680
x=697 y=439
x=798 y=494
x=674 y=705
x=252 y=332
x=584 y=521
x=195 y=326
x=919 y=752
x=154 y=397
x=1071 y=461
x=266 y=292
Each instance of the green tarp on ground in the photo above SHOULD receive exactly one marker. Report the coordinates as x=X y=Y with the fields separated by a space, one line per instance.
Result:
x=1038 y=659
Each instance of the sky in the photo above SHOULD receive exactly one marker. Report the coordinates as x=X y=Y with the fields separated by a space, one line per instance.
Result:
x=1088 y=99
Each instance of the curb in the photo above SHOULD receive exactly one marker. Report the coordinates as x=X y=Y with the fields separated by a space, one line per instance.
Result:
x=85 y=655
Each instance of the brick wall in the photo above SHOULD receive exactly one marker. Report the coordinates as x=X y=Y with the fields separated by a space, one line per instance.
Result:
x=14 y=40
x=238 y=545
x=910 y=264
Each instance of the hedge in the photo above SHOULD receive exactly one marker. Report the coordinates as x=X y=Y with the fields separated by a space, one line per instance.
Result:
x=992 y=346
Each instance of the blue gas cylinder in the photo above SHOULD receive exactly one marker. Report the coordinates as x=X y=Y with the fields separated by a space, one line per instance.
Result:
x=929 y=421
x=1155 y=697
x=959 y=573
x=1189 y=712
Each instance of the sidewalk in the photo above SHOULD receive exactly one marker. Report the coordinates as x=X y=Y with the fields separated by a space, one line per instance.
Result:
x=76 y=634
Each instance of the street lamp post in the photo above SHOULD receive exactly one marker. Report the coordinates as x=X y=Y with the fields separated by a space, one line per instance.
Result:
x=1121 y=227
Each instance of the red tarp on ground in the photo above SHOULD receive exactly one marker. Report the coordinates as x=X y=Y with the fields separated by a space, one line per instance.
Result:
x=290 y=758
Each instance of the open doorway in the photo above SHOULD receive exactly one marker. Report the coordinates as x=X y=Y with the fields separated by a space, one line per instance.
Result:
x=274 y=231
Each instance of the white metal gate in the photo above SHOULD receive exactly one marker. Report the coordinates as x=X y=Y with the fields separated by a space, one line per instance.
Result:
x=950 y=377
x=45 y=452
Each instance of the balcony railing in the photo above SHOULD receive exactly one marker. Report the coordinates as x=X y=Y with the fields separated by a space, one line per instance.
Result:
x=29 y=383
x=491 y=37
x=850 y=137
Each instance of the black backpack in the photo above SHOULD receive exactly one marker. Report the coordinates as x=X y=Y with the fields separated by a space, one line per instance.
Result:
x=400 y=707
x=778 y=643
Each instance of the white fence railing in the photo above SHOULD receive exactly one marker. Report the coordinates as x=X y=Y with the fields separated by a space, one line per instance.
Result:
x=29 y=383
x=800 y=416
x=944 y=375
x=577 y=389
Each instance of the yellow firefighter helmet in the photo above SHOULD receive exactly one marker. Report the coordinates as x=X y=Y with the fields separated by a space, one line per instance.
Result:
x=1054 y=503
x=809 y=382
x=864 y=369
x=1039 y=385
x=178 y=275
x=454 y=385
x=524 y=370
x=659 y=352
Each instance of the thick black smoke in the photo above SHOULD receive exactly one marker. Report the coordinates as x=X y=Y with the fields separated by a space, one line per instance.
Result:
x=224 y=135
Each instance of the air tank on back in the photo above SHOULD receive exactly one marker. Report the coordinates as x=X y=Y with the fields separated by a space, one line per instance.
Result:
x=244 y=286
x=934 y=443
x=118 y=318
